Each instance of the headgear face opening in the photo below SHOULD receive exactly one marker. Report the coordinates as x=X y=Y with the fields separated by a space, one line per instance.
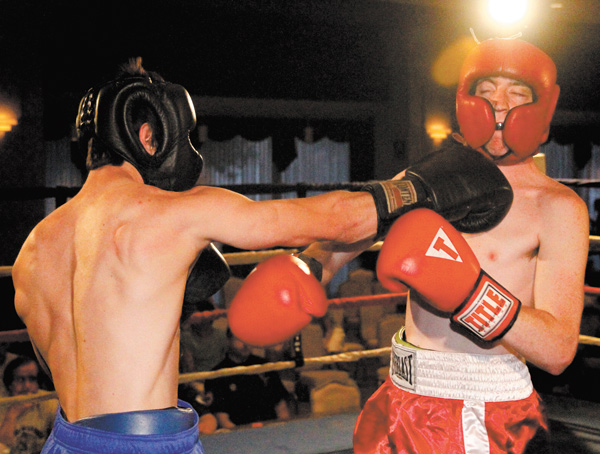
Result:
x=108 y=115
x=525 y=127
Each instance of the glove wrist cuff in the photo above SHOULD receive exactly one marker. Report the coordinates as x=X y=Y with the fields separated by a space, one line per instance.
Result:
x=489 y=311
x=392 y=199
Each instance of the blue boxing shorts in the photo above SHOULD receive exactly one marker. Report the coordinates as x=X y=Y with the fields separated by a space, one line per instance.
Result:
x=439 y=402
x=172 y=430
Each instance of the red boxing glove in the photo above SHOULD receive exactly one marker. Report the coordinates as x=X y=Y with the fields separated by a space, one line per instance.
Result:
x=277 y=299
x=423 y=251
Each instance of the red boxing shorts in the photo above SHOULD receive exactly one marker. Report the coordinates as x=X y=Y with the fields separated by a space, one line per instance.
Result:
x=452 y=403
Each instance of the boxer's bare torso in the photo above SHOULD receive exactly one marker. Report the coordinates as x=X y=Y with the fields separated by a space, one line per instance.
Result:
x=100 y=281
x=537 y=252
x=101 y=287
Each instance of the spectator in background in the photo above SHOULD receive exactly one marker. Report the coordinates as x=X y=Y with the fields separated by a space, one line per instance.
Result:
x=246 y=399
x=25 y=426
x=203 y=345
x=200 y=401
x=5 y=358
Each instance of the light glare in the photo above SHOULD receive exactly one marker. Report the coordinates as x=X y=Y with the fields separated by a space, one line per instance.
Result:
x=507 y=11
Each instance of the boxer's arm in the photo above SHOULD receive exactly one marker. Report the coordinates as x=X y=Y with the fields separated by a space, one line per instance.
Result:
x=547 y=333
x=224 y=216
x=333 y=256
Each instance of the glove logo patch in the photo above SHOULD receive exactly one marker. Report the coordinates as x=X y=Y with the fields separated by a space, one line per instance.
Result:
x=398 y=194
x=488 y=311
x=441 y=247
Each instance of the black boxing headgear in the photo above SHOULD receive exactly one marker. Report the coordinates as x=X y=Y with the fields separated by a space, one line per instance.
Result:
x=527 y=126
x=110 y=116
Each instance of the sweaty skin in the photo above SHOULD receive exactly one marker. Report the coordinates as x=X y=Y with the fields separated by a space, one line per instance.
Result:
x=100 y=281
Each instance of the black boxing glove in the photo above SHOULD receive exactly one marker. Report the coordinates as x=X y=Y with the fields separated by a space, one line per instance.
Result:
x=208 y=276
x=457 y=182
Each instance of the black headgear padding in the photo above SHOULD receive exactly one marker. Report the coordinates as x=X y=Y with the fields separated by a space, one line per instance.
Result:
x=112 y=114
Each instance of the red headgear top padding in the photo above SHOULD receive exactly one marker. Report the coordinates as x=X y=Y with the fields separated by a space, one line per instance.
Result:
x=526 y=127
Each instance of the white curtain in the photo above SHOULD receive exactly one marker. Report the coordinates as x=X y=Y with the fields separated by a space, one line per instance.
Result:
x=237 y=161
x=321 y=162
x=560 y=163
x=559 y=160
x=591 y=171
x=60 y=170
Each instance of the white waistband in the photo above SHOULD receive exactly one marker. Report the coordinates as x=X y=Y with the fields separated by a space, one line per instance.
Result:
x=464 y=376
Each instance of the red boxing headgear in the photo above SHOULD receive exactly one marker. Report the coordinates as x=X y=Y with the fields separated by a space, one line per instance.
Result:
x=526 y=127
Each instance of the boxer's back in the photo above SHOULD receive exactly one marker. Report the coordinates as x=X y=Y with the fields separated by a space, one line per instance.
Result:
x=43 y=279
x=92 y=304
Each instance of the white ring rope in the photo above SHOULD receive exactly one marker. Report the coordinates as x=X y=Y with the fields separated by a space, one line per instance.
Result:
x=246 y=258
x=309 y=364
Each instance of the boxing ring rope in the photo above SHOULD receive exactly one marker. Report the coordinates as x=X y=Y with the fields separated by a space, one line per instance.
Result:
x=253 y=257
x=311 y=363
x=62 y=193
x=21 y=335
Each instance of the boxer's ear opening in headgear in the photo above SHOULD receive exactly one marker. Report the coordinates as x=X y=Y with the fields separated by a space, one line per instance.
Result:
x=525 y=127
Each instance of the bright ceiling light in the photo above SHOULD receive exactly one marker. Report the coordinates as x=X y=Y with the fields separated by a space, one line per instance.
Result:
x=507 y=11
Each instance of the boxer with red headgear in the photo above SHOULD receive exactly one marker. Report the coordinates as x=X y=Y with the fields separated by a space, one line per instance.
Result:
x=526 y=126
x=481 y=304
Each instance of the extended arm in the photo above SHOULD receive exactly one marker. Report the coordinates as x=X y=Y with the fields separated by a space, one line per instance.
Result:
x=457 y=182
x=334 y=256
x=230 y=218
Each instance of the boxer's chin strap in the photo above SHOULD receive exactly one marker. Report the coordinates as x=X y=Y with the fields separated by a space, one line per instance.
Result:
x=298 y=355
x=499 y=126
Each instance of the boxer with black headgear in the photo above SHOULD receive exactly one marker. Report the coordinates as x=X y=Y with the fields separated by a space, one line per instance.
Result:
x=100 y=282
x=110 y=117
x=108 y=126
x=481 y=302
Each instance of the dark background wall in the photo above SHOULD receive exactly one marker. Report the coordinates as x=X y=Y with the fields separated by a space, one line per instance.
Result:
x=364 y=56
